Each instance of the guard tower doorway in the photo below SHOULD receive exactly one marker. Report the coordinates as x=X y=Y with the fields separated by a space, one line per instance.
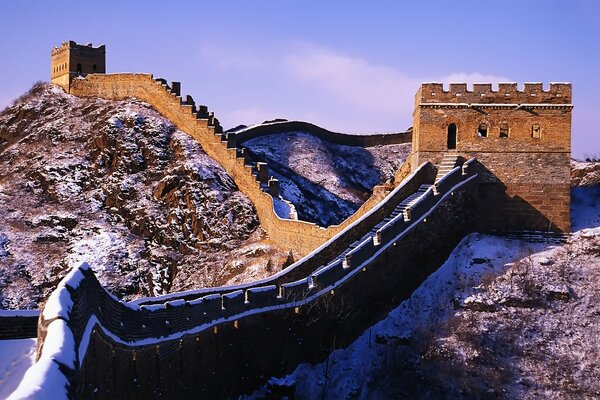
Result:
x=451 y=143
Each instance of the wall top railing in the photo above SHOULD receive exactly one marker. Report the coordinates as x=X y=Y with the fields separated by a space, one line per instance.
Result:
x=423 y=174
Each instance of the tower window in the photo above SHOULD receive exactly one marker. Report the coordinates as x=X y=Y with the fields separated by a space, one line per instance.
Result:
x=94 y=67
x=482 y=131
x=451 y=141
x=536 y=131
x=503 y=130
x=79 y=68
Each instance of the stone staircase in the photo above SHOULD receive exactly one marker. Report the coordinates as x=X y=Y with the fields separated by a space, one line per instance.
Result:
x=449 y=162
x=401 y=209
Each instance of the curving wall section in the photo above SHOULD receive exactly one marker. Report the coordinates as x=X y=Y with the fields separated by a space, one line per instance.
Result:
x=224 y=343
x=252 y=179
x=275 y=127
x=18 y=324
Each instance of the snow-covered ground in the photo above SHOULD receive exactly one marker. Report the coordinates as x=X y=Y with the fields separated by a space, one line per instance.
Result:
x=116 y=185
x=15 y=357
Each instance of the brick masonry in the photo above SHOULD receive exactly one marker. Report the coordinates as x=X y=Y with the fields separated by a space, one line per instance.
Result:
x=71 y=60
x=526 y=183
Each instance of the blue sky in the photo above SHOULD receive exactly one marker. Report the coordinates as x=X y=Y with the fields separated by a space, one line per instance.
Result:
x=348 y=66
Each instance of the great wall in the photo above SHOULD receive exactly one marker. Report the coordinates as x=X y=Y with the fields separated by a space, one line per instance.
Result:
x=223 y=342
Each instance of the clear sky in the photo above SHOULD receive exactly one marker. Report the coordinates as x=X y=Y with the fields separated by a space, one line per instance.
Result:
x=348 y=66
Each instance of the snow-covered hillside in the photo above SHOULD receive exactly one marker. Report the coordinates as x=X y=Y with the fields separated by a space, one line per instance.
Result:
x=116 y=185
x=501 y=318
x=326 y=182
x=16 y=357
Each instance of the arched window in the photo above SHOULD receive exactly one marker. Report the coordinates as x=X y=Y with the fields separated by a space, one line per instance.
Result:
x=79 y=68
x=451 y=136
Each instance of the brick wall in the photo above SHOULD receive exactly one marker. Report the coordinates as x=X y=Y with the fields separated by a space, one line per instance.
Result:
x=527 y=184
x=18 y=324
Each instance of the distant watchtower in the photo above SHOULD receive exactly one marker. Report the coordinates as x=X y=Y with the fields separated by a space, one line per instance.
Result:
x=71 y=60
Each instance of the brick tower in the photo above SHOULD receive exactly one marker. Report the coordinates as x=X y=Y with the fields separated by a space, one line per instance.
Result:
x=522 y=140
x=71 y=60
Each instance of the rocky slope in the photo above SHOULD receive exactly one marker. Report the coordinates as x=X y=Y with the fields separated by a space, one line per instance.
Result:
x=326 y=182
x=585 y=174
x=118 y=186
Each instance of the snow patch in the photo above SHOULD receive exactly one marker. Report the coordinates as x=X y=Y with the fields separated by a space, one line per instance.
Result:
x=17 y=356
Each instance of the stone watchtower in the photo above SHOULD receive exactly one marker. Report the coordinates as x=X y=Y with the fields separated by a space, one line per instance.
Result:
x=71 y=60
x=522 y=139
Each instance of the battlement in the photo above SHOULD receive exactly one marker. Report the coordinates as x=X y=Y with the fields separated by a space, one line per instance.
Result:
x=483 y=93
x=66 y=46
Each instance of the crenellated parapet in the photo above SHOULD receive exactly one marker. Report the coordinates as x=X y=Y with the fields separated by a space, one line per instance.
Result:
x=521 y=135
x=507 y=93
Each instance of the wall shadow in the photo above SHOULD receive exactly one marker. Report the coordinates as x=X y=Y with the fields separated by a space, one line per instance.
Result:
x=501 y=212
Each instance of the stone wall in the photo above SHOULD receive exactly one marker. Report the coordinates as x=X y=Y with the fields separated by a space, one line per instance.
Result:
x=521 y=137
x=368 y=140
x=324 y=253
x=225 y=344
x=18 y=324
x=202 y=126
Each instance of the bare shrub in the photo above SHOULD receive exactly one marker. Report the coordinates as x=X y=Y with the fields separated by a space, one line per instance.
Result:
x=34 y=91
x=591 y=157
x=269 y=266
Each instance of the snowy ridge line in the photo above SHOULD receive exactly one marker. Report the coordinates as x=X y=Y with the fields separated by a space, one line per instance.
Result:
x=45 y=379
x=275 y=127
x=311 y=261
x=71 y=314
